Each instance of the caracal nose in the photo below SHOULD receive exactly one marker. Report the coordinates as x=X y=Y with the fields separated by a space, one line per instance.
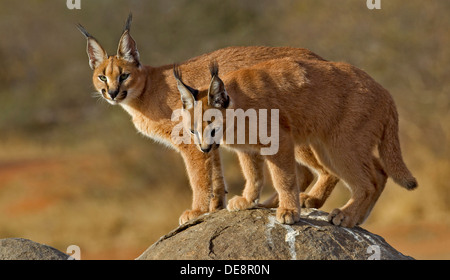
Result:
x=207 y=149
x=113 y=93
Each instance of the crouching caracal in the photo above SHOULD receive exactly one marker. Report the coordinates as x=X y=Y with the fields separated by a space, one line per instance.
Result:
x=336 y=109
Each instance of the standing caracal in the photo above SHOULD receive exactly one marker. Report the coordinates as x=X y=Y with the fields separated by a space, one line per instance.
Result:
x=149 y=94
x=334 y=108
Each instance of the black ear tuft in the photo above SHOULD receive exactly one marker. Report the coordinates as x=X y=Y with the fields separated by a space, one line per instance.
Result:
x=214 y=68
x=179 y=77
x=83 y=31
x=177 y=72
x=128 y=23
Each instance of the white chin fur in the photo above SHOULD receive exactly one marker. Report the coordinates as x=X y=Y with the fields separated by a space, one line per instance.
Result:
x=112 y=102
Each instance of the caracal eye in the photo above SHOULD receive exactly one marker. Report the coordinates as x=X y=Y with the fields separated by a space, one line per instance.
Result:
x=124 y=76
x=103 y=78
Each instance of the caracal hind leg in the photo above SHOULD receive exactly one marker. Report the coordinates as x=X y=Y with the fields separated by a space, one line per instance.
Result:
x=320 y=192
x=199 y=170
x=219 y=188
x=325 y=184
x=252 y=165
x=282 y=168
x=304 y=179
x=381 y=179
x=358 y=172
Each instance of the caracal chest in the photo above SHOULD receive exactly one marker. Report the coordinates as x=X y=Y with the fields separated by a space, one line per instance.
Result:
x=156 y=130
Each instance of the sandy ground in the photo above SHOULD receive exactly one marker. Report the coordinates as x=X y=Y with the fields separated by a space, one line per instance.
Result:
x=30 y=198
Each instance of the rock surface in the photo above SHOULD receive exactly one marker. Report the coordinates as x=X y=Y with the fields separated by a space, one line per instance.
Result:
x=256 y=235
x=245 y=235
x=24 y=249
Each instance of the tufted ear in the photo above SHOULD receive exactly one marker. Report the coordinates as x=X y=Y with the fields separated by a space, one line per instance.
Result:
x=95 y=52
x=127 y=49
x=217 y=95
x=187 y=93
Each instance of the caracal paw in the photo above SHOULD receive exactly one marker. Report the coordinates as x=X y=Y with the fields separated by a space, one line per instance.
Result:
x=307 y=201
x=238 y=203
x=340 y=217
x=288 y=216
x=189 y=215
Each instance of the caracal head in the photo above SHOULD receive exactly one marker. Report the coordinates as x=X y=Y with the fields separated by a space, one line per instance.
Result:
x=204 y=109
x=117 y=77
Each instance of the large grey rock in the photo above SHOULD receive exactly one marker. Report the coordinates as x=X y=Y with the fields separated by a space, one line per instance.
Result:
x=256 y=235
x=24 y=249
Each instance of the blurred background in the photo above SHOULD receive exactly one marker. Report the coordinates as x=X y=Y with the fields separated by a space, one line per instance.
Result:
x=73 y=170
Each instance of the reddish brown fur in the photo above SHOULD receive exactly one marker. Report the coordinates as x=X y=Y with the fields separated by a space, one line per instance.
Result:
x=150 y=96
x=334 y=108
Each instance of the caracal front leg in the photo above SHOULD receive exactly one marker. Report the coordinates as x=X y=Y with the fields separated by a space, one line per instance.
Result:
x=282 y=169
x=219 y=188
x=199 y=170
x=252 y=165
x=304 y=179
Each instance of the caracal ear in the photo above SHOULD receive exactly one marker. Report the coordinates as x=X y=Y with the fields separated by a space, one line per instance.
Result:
x=95 y=52
x=187 y=93
x=217 y=95
x=127 y=49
